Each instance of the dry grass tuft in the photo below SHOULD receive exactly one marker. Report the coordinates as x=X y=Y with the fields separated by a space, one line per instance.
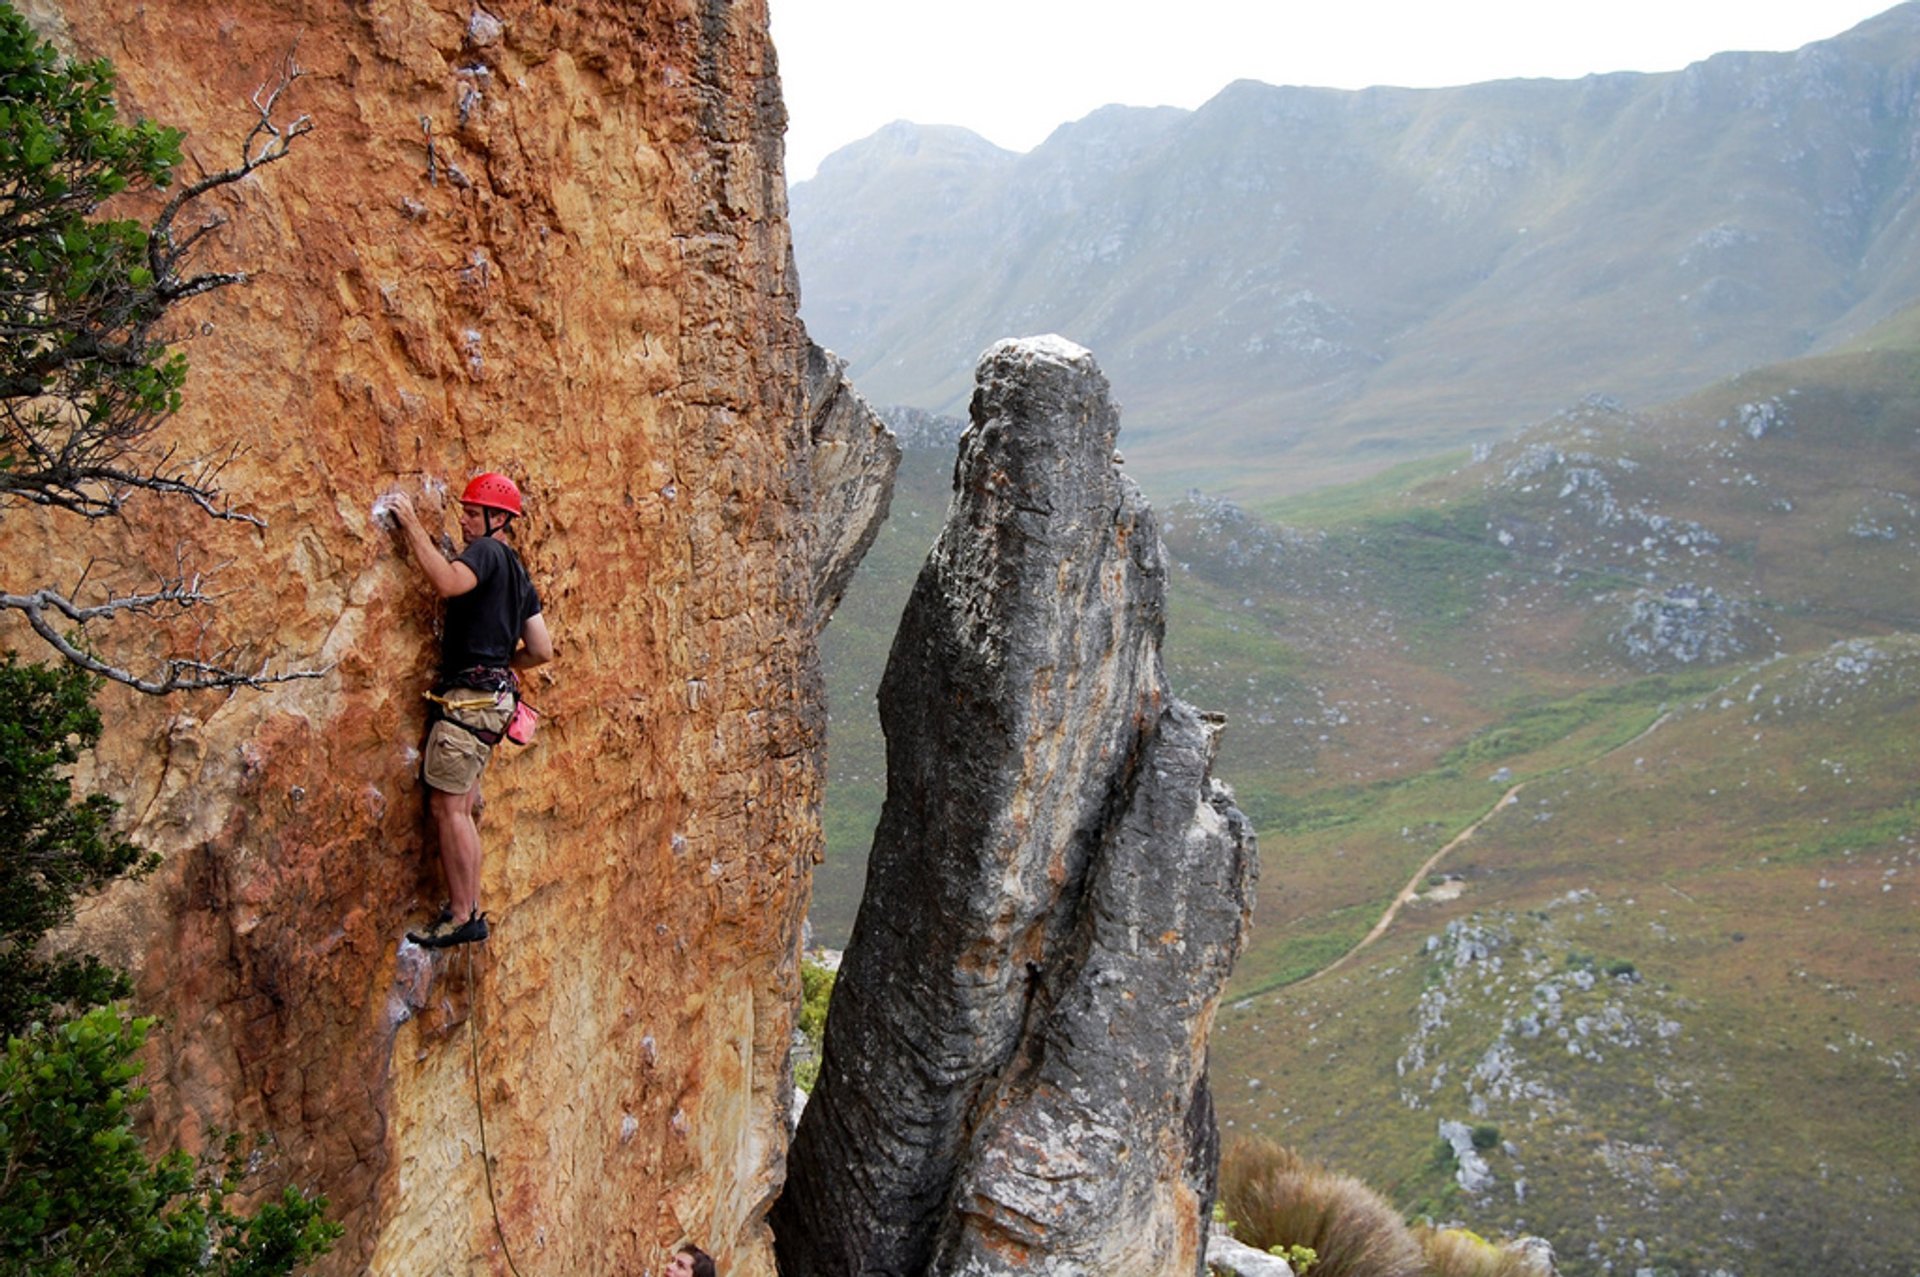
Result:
x=1276 y=1198
x=1456 y=1252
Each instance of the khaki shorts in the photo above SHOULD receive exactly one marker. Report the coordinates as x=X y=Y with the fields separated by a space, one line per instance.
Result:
x=454 y=758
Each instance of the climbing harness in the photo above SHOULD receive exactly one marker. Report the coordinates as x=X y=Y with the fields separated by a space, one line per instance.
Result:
x=480 y=1111
x=481 y=688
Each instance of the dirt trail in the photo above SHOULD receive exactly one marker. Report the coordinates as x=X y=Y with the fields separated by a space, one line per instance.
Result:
x=1413 y=884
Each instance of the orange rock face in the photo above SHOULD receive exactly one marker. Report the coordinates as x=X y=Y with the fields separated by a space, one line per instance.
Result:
x=550 y=239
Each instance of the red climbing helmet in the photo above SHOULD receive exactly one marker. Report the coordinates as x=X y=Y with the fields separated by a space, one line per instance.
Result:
x=494 y=491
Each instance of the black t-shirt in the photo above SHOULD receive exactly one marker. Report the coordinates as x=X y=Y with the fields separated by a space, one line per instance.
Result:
x=483 y=625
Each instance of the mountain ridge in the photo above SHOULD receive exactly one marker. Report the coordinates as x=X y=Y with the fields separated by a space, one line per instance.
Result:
x=1294 y=284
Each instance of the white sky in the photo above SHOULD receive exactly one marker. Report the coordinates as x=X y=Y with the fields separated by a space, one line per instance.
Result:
x=1014 y=70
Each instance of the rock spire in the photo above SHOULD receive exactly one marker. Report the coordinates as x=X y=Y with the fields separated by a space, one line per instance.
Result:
x=1015 y=1066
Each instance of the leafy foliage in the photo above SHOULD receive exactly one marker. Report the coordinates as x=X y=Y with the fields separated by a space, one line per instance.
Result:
x=1299 y=1258
x=81 y=367
x=87 y=374
x=816 y=991
x=816 y=983
x=52 y=848
x=78 y=1195
x=85 y=377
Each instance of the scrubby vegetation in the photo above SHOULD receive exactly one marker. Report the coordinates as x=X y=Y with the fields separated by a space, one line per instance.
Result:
x=86 y=376
x=89 y=364
x=52 y=848
x=1460 y=1252
x=79 y=1196
x=1319 y=1220
x=816 y=991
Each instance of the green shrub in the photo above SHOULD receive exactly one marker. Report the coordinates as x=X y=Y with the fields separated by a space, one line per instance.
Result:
x=816 y=992
x=89 y=368
x=1486 y=1136
x=1299 y=1258
x=86 y=374
x=1278 y=1199
x=52 y=848
x=78 y=1195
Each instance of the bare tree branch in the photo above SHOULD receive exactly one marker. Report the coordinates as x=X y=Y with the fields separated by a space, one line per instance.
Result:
x=266 y=143
x=87 y=376
x=178 y=674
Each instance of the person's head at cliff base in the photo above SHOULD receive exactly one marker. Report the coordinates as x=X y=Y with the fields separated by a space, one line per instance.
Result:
x=488 y=497
x=691 y=1261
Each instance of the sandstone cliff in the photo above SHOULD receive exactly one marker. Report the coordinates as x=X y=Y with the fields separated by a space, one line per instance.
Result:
x=1014 y=1076
x=548 y=239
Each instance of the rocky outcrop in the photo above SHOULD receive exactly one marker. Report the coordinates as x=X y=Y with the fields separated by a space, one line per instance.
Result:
x=1225 y=1255
x=1015 y=1065
x=854 y=460
x=1684 y=624
x=551 y=240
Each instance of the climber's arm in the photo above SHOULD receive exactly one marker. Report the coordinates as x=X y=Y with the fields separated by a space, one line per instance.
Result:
x=536 y=645
x=449 y=577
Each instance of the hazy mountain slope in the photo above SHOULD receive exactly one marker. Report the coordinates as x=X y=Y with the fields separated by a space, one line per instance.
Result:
x=908 y=187
x=1291 y=283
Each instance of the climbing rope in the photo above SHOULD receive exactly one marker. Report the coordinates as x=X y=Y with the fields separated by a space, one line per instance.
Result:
x=480 y=1110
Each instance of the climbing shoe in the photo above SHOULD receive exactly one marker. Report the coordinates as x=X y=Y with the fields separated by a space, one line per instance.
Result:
x=442 y=923
x=468 y=932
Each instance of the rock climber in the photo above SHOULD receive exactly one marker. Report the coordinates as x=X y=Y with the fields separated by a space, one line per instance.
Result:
x=691 y=1262
x=494 y=628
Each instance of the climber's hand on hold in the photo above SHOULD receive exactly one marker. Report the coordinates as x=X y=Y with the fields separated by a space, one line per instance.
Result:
x=402 y=507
